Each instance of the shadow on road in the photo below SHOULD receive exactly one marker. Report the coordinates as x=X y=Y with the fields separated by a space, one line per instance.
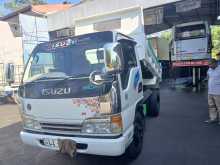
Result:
x=14 y=152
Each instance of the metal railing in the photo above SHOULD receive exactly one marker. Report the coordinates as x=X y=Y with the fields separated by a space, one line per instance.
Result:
x=19 y=69
x=2 y=75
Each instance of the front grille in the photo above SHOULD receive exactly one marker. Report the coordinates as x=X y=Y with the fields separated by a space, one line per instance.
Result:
x=61 y=128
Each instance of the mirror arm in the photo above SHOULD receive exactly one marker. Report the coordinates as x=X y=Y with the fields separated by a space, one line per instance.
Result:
x=115 y=72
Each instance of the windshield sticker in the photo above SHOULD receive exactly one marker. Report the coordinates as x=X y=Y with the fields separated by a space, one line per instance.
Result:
x=68 y=42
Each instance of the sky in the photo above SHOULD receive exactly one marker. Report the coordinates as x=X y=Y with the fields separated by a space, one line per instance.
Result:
x=4 y=11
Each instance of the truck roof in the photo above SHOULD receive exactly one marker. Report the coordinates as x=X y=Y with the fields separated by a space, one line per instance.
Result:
x=115 y=34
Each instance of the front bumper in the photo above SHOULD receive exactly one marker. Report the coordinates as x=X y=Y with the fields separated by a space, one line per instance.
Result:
x=94 y=146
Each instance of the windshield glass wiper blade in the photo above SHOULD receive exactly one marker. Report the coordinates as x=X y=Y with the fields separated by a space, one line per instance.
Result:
x=82 y=76
x=47 y=76
x=43 y=78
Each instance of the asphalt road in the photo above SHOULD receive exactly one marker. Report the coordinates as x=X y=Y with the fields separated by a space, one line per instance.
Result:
x=178 y=137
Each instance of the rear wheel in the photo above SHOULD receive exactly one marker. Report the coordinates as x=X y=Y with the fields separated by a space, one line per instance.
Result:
x=136 y=146
x=154 y=104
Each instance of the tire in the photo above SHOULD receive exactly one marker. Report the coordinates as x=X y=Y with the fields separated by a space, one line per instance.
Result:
x=136 y=145
x=154 y=104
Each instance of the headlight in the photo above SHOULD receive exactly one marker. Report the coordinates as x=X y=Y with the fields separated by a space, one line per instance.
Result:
x=30 y=123
x=106 y=125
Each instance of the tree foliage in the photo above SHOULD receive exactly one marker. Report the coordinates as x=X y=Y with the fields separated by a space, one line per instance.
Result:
x=17 y=4
x=66 y=2
x=215 y=40
x=167 y=35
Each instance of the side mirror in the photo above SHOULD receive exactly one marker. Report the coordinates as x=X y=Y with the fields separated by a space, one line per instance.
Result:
x=10 y=73
x=112 y=62
x=99 y=78
x=112 y=57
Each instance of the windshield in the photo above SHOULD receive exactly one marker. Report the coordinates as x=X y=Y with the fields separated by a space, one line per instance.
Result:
x=67 y=58
x=190 y=32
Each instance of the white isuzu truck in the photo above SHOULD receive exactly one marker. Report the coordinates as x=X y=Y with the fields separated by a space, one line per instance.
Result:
x=92 y=90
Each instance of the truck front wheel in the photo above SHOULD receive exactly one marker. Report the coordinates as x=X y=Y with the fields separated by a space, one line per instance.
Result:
x=136 y=146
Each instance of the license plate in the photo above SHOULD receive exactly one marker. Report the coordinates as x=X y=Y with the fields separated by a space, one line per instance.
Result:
x=51 y=143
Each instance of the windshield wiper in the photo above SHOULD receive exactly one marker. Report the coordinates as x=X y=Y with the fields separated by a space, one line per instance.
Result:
x=47 y=76
x=43 y=78
x=82 y=76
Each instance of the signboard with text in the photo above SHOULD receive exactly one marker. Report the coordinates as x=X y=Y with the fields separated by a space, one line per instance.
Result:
x=187 y=5
x=190 y=63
